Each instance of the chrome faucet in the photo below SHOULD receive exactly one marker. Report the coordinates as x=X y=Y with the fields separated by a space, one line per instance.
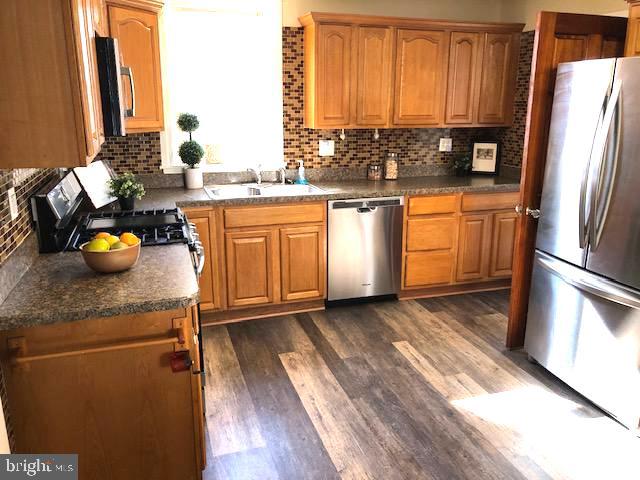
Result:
x=283 y=175
x=257 y=172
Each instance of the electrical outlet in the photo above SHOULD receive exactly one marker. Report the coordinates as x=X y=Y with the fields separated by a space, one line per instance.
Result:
x=13 y=203
x=326 y=148
x=446 y=144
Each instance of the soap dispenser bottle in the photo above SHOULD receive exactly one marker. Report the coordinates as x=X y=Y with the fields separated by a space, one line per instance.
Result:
x=301 y=180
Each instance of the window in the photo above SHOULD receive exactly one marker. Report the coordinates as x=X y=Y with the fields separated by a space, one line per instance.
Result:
x=222 y=60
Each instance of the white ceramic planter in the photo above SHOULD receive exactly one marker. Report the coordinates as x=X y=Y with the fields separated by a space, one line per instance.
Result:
x=193 y=178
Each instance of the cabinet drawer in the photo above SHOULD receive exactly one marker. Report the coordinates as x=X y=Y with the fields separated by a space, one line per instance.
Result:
x=474 y=202
x=431 y=205
x=427 y=268
x=430 y=233
x=273 y=215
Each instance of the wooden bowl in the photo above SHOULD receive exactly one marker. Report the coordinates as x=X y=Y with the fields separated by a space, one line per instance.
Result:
x=111 y=261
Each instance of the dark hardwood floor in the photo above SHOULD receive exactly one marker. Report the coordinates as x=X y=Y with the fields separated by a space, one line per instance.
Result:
x=398 y=390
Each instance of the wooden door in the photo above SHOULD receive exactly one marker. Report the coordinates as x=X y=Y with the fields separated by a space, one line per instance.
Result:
x=502 y=238
x=560 y=37
x=463 y=84
x=124 y=401
x=250 y=275
x=137 y=34
x=334 y=72
x=499 y=64
x=302 y=262
x=207 y=280
x=632 y=47
x=374 y=76
x=420 y=75
x=474 y=247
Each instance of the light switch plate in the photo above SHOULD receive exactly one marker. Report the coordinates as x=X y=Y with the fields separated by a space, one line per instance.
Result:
x=326 y=148
x=13 y=203
x=446 y=144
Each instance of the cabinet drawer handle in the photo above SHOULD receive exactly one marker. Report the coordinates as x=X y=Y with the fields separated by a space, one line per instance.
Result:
x=18 y=346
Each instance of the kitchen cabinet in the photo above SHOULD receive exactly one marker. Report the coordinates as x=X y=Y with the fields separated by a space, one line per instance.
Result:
x=456 y=243
x=301 y=262
x=420 y=77
x=632 y=47
x=135 y=25
x=499 y=64
x=465 y=65
x=103 y=388
x=49 y=53
x=373 y=76
x=386 y=72
x=250 y=267
x=205 y=220
x=100 y=17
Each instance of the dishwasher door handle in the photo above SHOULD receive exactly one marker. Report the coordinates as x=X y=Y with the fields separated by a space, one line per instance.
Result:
x=366 y=209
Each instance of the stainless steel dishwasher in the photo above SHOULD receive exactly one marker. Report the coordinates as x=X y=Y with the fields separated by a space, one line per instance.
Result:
x=364 y=247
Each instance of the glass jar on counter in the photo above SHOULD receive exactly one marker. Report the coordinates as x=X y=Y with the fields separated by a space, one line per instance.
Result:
x=374 y=171
x=391 y=166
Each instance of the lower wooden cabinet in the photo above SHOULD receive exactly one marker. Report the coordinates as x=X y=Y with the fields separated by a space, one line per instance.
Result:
x=474 y=247
x=249 y=257
x=103 y=388
x=302 y=266
x=502 y=246
x=425 y=269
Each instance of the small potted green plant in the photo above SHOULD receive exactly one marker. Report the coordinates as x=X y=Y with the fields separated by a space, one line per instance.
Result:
x=126 y=188
x=190 y=151
x=462 y=164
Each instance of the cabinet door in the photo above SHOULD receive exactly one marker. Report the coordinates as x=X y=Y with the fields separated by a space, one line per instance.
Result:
x=474 y=247
x=100 y=18
x=632 y=47
x=425 y=269
x=498 y=78
x=374 y=76
x=333 y=75
x=249 y=268
x=208 y=298
x=137 y=34
x=502 y=240
x=302 y=262
x=463 y=83
x=420 y=74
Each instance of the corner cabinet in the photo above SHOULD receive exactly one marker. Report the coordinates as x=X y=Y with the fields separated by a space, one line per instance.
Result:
x=386 y=72
x=135 y=25
x=457 y=243
x=50 y=110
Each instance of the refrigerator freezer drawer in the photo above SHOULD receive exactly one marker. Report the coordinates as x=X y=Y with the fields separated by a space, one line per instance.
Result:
x=586 y=330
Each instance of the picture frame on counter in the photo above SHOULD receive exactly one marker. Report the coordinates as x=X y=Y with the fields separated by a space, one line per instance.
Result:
x=485 y=157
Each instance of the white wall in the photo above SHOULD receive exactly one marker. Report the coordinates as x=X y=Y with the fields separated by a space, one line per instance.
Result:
x=480 y=10
x=526 y=11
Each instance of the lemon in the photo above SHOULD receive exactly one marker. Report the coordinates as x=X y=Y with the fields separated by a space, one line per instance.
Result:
x=119 y=245
x=97 y=245
x=112 y=239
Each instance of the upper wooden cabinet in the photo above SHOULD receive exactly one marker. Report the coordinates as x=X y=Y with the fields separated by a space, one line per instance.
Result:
x=365 y=72
x=50 y=111
x=135 y=25
x=499 y=66
x=632 y=47
x=420 y=76
x=373 y=76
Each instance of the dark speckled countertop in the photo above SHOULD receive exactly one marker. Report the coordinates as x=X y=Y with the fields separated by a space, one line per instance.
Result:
x=338 y=190
x=59 y=287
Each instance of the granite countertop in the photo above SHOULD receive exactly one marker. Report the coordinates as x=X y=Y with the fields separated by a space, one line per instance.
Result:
x=59 y=287
x=338 y=190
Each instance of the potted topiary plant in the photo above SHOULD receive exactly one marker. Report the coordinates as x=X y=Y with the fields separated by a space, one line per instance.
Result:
x=190 y=151
x=462 y=164
x=126 y=188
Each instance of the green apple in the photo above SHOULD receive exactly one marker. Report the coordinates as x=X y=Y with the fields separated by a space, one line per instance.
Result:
x=97 y=245
x=119 y=245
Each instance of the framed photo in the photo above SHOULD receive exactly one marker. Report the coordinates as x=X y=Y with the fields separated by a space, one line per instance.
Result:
x=485 y=157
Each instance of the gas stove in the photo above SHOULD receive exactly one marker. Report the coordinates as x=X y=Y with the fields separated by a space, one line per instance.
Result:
x=152 y=227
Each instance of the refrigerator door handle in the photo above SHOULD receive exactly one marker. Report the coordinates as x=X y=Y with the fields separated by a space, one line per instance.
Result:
x=590 y=283
x=614 y=112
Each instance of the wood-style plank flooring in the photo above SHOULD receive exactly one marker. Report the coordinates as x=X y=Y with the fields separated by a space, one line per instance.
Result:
x=398 y=390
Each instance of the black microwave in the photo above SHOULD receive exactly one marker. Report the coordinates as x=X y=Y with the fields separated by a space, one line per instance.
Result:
x=110 y=73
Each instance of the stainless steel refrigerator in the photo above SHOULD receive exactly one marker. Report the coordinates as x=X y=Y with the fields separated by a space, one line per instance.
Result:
x=584 y=308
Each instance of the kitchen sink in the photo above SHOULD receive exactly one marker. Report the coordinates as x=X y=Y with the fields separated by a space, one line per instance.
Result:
x=262 y=190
